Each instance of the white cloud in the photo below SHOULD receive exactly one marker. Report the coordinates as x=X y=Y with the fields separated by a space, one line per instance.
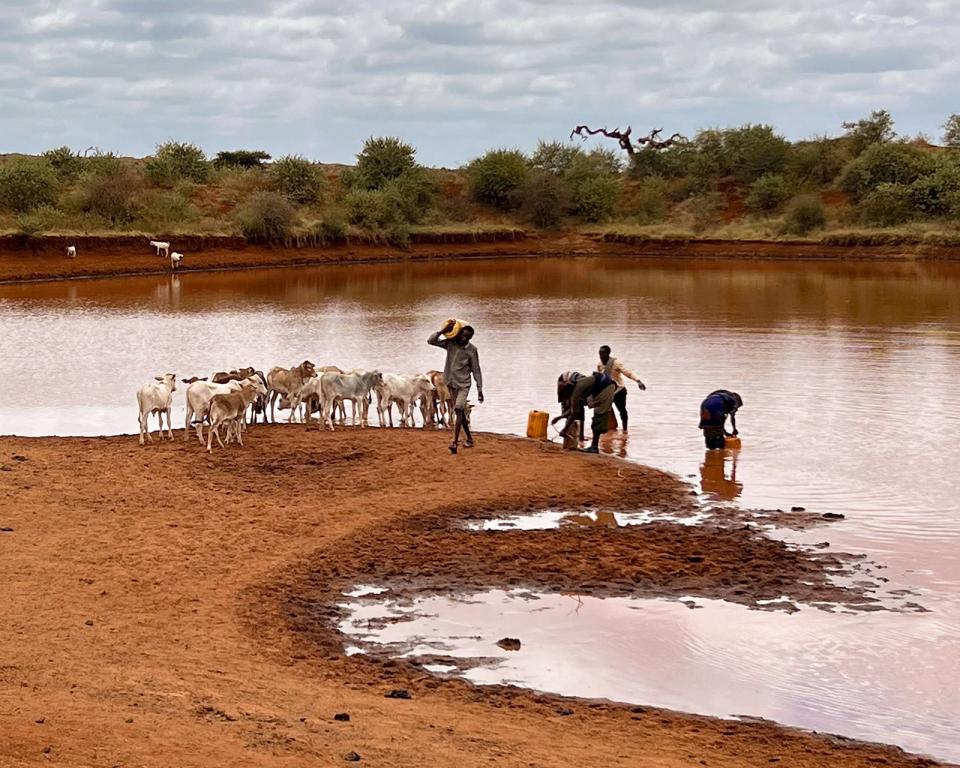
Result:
x=457 y=76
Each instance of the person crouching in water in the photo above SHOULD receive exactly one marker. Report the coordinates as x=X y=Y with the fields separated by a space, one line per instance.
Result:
x=573 y=428
x=462 y=361
x=713 y=416
x=596 y=391
x=618 y=372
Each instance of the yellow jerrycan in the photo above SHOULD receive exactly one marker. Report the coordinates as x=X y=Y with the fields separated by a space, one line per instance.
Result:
x=537 y=425
x=732 y=443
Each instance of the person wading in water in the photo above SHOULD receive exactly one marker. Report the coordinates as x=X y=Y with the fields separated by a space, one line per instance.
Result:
x=593 y=391
x=617 y=371
x=713 y=416
x=462 y=361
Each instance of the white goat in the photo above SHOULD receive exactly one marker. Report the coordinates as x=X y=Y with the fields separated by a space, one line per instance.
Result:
x=161 y=247
x=71 y=251
x=175 y=259
x=156 y=397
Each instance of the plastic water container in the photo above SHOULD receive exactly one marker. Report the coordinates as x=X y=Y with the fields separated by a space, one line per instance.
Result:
x=733 y=443
x=537 y=425
x=457 y=325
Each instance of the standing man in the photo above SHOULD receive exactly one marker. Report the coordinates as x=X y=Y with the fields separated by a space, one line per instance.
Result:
x=616 y=371
x=713 y=416
x=462 y=361
x=593 y=391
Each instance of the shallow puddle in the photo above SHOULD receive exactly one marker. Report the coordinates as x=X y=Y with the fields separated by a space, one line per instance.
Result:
x=877 y=677
x=603 y=518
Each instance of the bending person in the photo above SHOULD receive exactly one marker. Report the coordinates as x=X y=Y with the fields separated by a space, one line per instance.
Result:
x=462 y=361
x=713 y=417
x=593 y=391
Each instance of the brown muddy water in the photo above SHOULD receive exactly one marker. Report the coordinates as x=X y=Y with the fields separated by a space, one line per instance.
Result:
x=849 y=378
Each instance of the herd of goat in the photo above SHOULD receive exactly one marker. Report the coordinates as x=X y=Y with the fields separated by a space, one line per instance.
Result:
x=232 y=399
x=162 y=248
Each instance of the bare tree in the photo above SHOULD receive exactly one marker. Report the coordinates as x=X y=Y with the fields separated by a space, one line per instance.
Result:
x=627 y=143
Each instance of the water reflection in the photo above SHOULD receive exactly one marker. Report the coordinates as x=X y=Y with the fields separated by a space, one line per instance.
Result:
x=718 y=476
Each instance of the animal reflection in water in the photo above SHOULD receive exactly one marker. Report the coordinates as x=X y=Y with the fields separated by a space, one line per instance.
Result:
x=714 y=480
x=603 y=519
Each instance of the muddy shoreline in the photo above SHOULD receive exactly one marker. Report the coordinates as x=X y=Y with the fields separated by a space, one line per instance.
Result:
x=43 y=259
x=173 y=608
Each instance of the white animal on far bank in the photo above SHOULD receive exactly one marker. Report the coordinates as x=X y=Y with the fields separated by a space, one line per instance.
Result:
x=175 y=259
x=71 y=251
x=156 y=397
x=162 y=247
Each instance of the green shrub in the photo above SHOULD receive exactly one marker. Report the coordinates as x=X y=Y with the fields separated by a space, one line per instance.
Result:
x=414 y=192
x=495 y=178
x=818 y=161
x=102 y=164
x=595 y=198
x=241 y=158
x=333 y=228
x=646 y=202
x=554 y=156
x=167 y=210
x=869 y=131
x=885 y=164
x=267 y=217
x=381 y=161
x=296 y=178
x=26 y=183
x=373 y=210
x=951 y=131
x=544 y=199
x=705 y=210
x=753 y=151
x=111 y=192
x=935 y=194
x=176 y=161
x=236 y=184
x=803 y=215
x=66 y=163
x=672 y=162
x=887 y=205
x=767 y=194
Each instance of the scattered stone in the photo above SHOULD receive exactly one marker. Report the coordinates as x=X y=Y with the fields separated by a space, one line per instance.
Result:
x=797 y=509
x=832 y=516
x=18 y=457
x=129 y=720
x=6 y=529
x=47 y=750
x=343 y=717
x=822 y=545
x=40 y=721
x=352 y=757
x=695 y=559
x=509 y=643
x=397 y=693
x=89 y=622
x=564 y=712
x=638 y=710
x=6 y=468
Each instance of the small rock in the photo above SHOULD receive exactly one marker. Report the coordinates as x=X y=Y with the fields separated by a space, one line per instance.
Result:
x=129 y=720
x=40 y=721
x=695 y=559
x=6 y=529
x=564 y=712
x=343 y=717
x=638 y=710
x=18 y=457
x=352 y=757
x=797 y=509
x=509 y=643
x=89 y=622
x=47 y=750
x=832 y=516
x=397 y=693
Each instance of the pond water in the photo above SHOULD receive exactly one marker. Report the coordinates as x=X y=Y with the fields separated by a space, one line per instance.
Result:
x=848 y=375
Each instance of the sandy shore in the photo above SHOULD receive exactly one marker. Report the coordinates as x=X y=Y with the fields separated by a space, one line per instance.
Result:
x=162 y=607
x=44 y=258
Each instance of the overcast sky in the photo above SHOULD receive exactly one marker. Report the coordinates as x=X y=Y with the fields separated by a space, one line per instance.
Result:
x=455 y=77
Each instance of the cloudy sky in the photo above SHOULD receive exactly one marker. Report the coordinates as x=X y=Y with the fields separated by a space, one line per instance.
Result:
x=455 y=77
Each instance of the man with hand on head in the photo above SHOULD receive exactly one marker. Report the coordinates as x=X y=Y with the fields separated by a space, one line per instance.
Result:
x=462 y=362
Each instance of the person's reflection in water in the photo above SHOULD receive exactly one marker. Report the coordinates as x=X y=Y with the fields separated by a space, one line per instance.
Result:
x=615 y=444
x=713 y=478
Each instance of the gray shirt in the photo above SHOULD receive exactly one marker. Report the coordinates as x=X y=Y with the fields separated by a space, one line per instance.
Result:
x=461 y=362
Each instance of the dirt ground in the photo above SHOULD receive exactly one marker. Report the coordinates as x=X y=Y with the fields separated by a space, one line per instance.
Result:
x=45 y=258
x=163 y=607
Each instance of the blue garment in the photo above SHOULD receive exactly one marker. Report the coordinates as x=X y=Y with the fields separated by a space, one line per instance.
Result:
x=716 y=406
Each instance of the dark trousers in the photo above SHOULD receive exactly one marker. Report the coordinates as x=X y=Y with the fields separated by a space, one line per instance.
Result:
x=714 y=437
x=620 y=401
